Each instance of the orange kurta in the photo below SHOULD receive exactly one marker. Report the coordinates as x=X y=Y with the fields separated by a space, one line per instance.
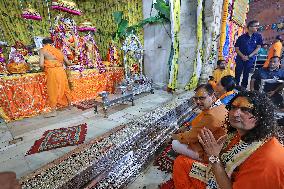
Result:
x=275 y=49
x=264 y=169
x=212 y=119
x=219 y=73
x=57 y=84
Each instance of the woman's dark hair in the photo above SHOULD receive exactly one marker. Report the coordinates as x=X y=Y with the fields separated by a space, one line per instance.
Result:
x=228 y=82
x=209 y=89
x=263 y=111
x=47 y=41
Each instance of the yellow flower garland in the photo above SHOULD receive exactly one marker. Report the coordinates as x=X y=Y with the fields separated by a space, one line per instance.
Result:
x=197 y=64
x=175 y=27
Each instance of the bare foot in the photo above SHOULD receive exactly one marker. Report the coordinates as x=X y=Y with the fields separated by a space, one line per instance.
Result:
x=51 y=114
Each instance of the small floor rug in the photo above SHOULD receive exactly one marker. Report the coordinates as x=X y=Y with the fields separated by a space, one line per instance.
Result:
x=85 y=105
x=58 y=138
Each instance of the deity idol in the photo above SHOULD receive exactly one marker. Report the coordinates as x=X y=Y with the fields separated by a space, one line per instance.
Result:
x=2 y=62
x=90 y=54
x=113 y=54
x=17 y=59
x=66 y=38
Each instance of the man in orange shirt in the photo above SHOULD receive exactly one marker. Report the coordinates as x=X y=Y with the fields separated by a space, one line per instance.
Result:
x=52 y=59
x=274 y=50
x=213 y=116
x=250 y=157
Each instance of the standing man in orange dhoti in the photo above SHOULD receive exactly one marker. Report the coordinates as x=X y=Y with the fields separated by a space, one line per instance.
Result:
x=52 y=60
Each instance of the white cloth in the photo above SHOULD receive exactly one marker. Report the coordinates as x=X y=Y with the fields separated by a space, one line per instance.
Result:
x=184 y=150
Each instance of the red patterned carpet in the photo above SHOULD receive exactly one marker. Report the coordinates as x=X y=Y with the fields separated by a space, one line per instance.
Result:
x=58 y=138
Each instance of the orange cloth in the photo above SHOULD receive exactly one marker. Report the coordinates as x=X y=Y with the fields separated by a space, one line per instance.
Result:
x=17 y=67
x=275 y=49
x=213 y=84
x=218 y=74
x=181 y=169
x=227 y=94
x=57 y=83
x=263 y=169
x=26 y=95
x=212 y=119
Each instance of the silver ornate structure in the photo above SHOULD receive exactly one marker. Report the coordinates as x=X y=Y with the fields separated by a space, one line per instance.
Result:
x=133 y=50
x=107 y=100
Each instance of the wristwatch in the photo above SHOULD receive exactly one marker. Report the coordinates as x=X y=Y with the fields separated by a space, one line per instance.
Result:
x=214 y=159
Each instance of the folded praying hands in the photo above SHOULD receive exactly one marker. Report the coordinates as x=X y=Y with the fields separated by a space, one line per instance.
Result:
x=209 y=143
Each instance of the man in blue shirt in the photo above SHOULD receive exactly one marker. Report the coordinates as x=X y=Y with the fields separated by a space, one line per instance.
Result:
x=247 y=47
x=274 y=88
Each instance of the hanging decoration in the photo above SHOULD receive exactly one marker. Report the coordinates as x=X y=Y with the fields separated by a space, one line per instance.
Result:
x=65 y=6
x=30 y=14
x=48 y=14
x=239 y=13
x=99 y=12
x=175 y=28
x=86 y=26
x=223 y=28
x=279 y=27
x=2 y=62
x=199 y=53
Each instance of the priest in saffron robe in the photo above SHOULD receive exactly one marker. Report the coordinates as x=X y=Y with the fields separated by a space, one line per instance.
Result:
x=52 y=60
x=212 y=116
x=250 y=156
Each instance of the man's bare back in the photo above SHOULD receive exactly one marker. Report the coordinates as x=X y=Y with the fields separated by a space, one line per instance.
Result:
x=44 y=55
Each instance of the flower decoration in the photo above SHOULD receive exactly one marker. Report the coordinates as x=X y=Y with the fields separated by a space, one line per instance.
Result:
x=2 y=62
x=31 y=14
x=17 y=59
x=65 y=6
x=87 y=26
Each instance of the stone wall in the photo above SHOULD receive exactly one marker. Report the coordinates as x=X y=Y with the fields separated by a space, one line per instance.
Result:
x=157 y=42
x=267 y=12
x=157 y=45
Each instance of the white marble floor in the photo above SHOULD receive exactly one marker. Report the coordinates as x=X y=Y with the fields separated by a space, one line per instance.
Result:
x=150 y=178
x=13 y=158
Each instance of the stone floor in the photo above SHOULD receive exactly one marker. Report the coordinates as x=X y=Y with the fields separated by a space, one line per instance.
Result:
x=150 y=178
x=12 y=157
